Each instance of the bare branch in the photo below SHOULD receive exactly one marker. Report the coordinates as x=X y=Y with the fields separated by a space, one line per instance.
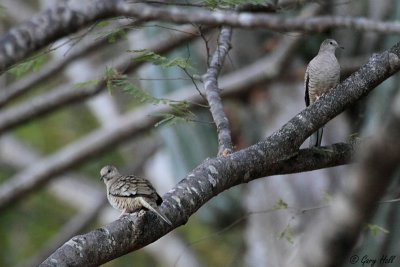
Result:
x=52 y=24
x=212 y=91
x=249 y=20
x=218 y=174
x=47 y=27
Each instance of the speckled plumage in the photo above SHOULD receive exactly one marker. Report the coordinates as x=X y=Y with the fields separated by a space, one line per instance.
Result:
x=130 y=193
x=322 y=74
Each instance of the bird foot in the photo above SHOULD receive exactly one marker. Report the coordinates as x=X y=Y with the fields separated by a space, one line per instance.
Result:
x=124 y=213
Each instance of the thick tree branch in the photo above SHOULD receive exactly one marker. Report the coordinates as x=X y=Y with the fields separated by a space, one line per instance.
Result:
x=216 y=175
x=210 y=80
x=248 y=20
x=135 y=225
x=52 y=24
x=47 y=27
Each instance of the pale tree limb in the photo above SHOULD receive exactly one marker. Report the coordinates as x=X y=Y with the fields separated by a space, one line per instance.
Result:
x=46 y=27
x=248 y=20
x=54 y=23
x=133 y=123
x=17 y=10
x=335 y=234
x=210 y=80
x=216 y=175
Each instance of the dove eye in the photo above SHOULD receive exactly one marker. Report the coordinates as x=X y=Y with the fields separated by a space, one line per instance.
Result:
x=108 y=171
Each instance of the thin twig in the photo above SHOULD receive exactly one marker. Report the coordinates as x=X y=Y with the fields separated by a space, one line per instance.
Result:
x=212 y=92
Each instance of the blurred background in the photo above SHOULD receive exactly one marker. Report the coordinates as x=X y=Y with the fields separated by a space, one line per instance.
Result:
x=97 y=97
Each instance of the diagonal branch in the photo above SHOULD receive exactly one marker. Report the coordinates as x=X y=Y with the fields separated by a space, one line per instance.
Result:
x=210 y=80
x=216 y=175
x=249 y=20
x=48 y=26
x=55 y=23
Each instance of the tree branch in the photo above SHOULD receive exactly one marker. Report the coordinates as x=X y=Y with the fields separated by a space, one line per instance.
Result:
x=212 y=91
x=249 y=20
x=216 y=175
x=48 y=27
x=54 y=23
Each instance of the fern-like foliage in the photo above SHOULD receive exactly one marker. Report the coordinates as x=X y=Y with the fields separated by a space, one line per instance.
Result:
x=280 y=205
x=180 y=110
x=88 y=83
x=156 y=59
x=287 y=234
x=32 y=64
x=113 y=34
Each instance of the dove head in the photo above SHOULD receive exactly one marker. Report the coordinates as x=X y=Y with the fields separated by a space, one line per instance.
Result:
x=108 y=172
x=329 y=45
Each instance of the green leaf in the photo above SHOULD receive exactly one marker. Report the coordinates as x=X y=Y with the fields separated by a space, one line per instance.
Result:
x=326 y=196
x=112 y=35
x=180 y=110
x=179 y=61
x=32 y=64
x=374 y=228
x=287 y=234
x=88 y=83
x=168 y=119
x=151 y=57
x=280 y=205
x=103 y=23
x=158 y=60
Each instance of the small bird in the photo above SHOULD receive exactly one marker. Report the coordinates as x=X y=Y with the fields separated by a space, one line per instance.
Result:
x=322 y=74
x=130 y=193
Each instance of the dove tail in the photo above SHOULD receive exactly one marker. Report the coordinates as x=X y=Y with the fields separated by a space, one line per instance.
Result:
x=316 y=138
x=155 y=210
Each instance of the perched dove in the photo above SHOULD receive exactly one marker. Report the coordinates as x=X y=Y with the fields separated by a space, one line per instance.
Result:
x=130 y=193
x=322 y=74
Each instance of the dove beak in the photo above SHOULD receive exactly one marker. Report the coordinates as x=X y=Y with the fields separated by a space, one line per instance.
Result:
x=101 y=177
x=341 y=47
